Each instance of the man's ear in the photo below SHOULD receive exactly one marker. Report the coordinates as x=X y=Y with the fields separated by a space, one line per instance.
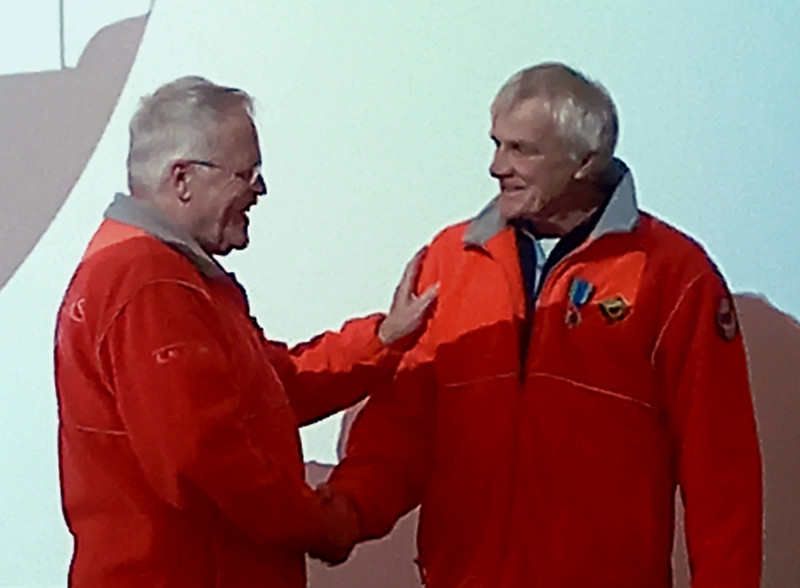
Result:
x=179 y=179
x=587 y=166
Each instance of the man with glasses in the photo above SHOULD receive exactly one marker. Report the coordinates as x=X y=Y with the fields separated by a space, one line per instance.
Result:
x=180 y=460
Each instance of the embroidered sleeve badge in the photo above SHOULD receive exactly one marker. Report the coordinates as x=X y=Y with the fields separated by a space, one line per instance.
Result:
x=727 y=325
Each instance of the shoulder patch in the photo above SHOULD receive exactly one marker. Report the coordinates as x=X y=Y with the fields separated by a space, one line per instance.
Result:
x=725 y=318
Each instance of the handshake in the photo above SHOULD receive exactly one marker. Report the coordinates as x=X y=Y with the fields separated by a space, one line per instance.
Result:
x=340 y=524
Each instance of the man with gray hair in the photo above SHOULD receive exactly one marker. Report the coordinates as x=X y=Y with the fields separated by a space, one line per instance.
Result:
x=582 y=362
x=180 y=459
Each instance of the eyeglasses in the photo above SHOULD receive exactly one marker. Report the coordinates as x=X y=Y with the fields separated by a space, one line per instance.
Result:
x=250 y=176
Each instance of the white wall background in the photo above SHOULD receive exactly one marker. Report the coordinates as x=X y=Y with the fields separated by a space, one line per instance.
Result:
x=374 y=129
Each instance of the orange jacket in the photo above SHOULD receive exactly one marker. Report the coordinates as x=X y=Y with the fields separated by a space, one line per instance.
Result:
x=179 y=453
x=560 y=470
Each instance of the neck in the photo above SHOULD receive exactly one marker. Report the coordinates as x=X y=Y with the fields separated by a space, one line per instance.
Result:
x=166 y=207
x=578 y=202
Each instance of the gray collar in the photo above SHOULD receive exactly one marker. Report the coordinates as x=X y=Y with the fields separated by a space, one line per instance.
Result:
x=620 y=215
x=139 y=214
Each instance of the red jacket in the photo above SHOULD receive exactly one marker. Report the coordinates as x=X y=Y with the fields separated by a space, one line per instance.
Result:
x=560 y=469
x=179 y=451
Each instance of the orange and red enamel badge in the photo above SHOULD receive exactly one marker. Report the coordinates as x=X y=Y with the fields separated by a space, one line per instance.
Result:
x=614 y=309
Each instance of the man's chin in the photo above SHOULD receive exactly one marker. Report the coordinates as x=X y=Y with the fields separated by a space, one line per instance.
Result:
x=236 y=244
x=510 y=210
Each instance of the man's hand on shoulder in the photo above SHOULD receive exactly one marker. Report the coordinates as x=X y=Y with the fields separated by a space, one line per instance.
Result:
x=408 y=311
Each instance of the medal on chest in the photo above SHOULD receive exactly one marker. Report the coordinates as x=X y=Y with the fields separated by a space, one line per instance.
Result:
x=580 y=292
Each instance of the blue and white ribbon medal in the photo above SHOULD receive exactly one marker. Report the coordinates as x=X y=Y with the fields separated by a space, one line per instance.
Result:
x=580 y=292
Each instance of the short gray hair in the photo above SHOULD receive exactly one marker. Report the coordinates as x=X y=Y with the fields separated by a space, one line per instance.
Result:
x=178 y=120
x=584 y=115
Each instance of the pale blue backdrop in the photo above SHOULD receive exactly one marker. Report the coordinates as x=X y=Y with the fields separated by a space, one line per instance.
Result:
x=374 y=129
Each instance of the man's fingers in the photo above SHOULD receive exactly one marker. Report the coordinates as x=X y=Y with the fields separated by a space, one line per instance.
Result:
x=407 y=311
x=425 y=299
x=406 y=285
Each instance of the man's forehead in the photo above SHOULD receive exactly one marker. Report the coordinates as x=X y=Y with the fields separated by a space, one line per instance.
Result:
x=529 y=108
x=237 y=135
x=524 y=119
x=236 y=124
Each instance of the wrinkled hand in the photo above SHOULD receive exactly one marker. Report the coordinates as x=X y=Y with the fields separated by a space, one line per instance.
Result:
x=408 y=310
x=341 y=527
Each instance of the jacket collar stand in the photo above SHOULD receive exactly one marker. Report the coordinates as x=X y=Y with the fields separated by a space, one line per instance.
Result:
x=136 y=213
x=620 y=216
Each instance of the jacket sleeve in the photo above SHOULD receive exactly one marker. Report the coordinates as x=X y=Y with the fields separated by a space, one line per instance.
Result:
x=187 y=421
x=390 y=445
x=700 y=358
x=335 y=369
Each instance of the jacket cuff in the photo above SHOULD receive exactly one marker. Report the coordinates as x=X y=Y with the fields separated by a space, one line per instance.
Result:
x=378 y=353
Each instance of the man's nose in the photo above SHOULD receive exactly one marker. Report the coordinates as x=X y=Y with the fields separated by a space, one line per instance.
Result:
x=500 y=164
x=260 y=186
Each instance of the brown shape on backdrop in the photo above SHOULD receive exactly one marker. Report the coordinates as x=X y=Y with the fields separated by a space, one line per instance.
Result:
x=387 y=562
x=51 y=123
x=772 y=340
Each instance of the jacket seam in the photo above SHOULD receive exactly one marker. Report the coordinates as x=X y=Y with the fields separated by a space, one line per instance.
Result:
x=596 y=389
x=99 y=431
x=671 y=315
x=479 y=380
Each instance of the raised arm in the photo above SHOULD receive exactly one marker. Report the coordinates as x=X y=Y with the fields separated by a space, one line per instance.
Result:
x=390 y=445
x=337 y=369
